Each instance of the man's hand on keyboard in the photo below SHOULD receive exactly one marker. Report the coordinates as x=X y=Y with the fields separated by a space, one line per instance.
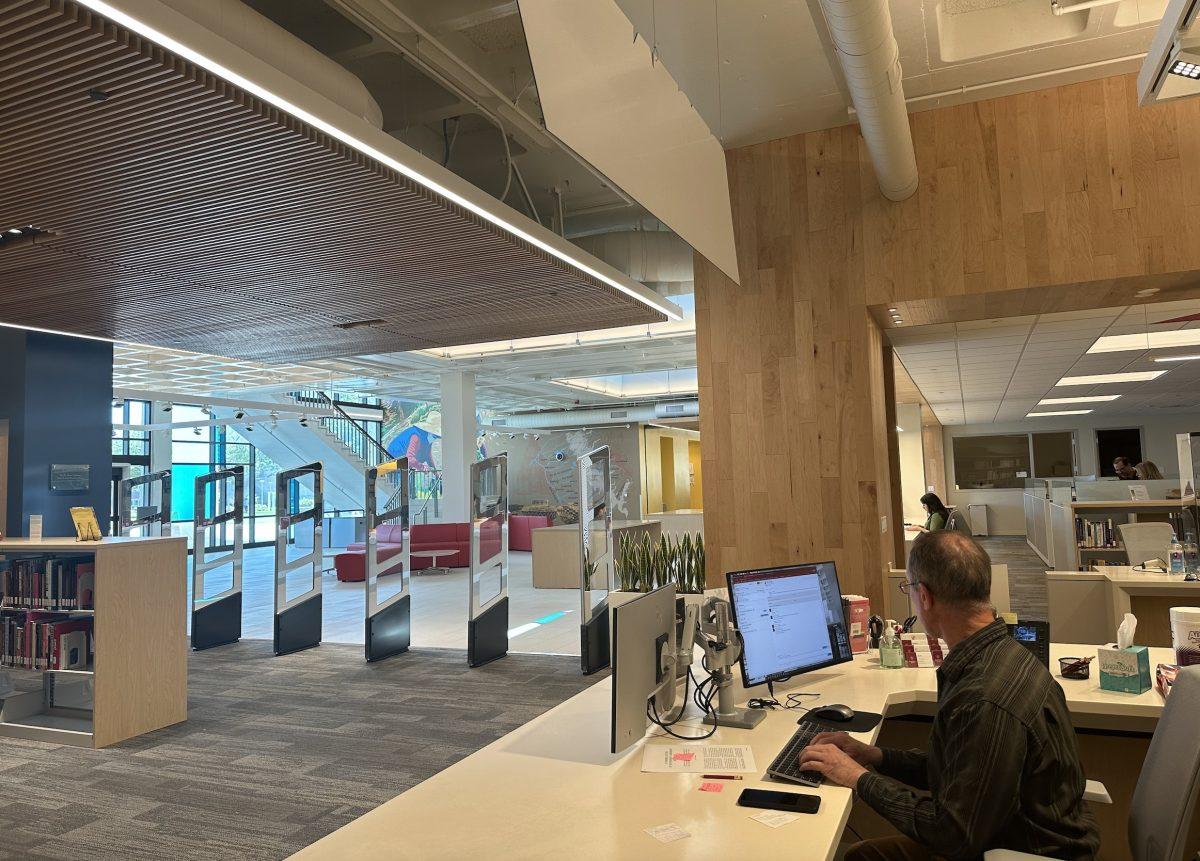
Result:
x=833 y=762
x=863 y=754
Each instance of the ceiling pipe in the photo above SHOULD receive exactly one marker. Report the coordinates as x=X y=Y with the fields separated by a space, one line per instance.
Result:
x=870 y=58
x=597 y=416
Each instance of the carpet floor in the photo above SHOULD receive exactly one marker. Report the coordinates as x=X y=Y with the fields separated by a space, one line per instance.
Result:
x=276 y=753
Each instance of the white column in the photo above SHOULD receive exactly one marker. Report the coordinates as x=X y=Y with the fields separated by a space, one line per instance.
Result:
x=458 y=444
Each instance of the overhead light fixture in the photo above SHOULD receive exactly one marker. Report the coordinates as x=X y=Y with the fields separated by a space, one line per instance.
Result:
x=20 y=235
x=249 y=428
x=893 y=310
x=196 y=431
x=899 y=429
x=1090 y=399
x=1188 y=358
x=1148 y=291
x=1146 y=341
x=167 y=407
x=1185 y=69
x=124 y=19
x=303 y=421
x=274 y=414
x=118 y=402
x=1058 y=413
x=1098 y=379
x=240 y=414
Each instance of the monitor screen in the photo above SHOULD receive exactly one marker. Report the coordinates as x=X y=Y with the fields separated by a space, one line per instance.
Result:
x=791 y=620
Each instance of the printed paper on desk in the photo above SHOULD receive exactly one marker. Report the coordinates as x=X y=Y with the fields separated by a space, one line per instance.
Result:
x=668 y=833
x=774 y=818
x=698 y=759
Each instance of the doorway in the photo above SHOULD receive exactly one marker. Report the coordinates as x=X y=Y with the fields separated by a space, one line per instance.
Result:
x=1112 y=443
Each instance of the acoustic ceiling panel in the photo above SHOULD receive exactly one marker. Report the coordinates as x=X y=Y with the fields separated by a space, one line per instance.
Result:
x=185 y=212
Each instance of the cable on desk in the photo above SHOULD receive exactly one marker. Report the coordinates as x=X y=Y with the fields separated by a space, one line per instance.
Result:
x=794 y=700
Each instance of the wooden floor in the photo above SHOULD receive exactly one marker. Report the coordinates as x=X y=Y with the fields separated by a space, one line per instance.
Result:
x=276 y=753
x=541 y=621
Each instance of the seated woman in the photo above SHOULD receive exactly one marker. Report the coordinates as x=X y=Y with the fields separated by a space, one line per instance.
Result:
x=937 y=511
x=1148 y=470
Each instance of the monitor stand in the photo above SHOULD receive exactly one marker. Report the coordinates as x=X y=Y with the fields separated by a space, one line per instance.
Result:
x=728 y=714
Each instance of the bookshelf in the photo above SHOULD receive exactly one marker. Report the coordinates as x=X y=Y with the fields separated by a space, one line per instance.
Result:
x=136 y=681
x=1096 y=522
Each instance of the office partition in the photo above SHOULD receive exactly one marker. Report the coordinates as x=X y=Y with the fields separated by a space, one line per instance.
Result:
x=388 y=600
x=299 y=510
x=487 y=624
x=596 y=557
x=144 y=504
x=220 y=513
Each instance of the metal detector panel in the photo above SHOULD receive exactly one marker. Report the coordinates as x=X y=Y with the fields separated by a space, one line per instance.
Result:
x=596 y=556
x=388 y=618
x=220 y=506
x=298 y=619
x=138 y=512
x=487 y=622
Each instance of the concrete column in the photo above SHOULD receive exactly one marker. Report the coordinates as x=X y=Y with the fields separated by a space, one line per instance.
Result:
x=458 y=444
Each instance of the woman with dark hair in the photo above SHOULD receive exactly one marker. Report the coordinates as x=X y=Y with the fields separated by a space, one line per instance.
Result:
x=937 y=511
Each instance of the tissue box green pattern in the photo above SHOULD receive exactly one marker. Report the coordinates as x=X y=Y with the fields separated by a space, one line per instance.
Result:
x=1125 y=670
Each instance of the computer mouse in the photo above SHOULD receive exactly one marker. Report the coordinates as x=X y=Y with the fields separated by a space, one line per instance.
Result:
x=834 y=712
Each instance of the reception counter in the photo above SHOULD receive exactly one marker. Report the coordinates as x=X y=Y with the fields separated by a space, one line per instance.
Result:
x=1087 y=606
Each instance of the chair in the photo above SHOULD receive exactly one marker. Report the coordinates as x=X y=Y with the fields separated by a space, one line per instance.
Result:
x=1146 y=541
x=958 y=522
x=1164 y=801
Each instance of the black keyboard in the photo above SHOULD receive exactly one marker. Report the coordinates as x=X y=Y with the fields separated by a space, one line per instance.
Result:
x=787 y=765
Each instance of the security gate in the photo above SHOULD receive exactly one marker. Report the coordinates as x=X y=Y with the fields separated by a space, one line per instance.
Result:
x=487 y=622
x=298 y=618
x=136 y=506
x=388 y=621
x=219 y=506
x=596 y=555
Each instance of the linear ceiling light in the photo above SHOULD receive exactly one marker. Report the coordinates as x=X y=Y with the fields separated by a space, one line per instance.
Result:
x=1146 y=341
x=1045 y=402
x=1188 y=358
x=1097 y=379
x=1058 y=413
x=165 y=41
x=1185 y=69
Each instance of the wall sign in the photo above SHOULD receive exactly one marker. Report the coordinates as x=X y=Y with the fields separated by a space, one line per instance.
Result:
x=70 y=477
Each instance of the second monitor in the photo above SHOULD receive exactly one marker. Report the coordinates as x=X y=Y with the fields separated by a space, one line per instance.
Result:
x=791 y=620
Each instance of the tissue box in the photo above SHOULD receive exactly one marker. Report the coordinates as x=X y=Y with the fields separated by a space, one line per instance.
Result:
x=1124 y=670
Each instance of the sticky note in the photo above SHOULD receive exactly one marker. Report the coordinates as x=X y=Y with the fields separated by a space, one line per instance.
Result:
x=668 y=833
x=774 y=818
x=711 y=787
x=683 y=757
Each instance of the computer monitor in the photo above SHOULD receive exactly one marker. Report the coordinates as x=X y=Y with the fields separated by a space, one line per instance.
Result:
x=643 y=630
x=790 y=619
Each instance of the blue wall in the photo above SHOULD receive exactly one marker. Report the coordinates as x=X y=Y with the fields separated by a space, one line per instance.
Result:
x=56 y=393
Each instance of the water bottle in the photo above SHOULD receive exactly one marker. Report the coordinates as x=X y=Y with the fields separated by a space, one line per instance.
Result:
x=1191 y=556
x=1178 y=566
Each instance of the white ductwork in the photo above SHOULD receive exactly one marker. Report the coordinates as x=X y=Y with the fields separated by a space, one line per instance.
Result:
x=236 y=22
x=870 y=60
x=612 y=415
x=643 y=255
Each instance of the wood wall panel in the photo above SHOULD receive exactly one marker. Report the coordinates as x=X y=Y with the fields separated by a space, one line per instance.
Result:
x=1058 y=187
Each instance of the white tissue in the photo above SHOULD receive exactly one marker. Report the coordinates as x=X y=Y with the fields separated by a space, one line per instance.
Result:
x=1126 y=631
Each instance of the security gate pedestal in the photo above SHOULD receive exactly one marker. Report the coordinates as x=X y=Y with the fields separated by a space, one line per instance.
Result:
x=154 y=521
x=487 y=621
x=297 y=621
x=596 y=554
x=388 y=625
x=217 y=621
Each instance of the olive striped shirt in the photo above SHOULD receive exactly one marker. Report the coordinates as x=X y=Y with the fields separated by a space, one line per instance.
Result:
x=1002 y=771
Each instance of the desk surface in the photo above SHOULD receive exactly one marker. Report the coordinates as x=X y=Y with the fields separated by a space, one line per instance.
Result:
x=550 y=789
x=1124 y=575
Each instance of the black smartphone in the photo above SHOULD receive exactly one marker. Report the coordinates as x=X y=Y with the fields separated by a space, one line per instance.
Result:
x=789 y=802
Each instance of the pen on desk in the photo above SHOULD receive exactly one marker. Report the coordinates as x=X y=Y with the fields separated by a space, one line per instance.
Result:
x=721 y=776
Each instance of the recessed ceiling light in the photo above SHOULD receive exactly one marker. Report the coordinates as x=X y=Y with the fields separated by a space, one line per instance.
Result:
x=1097 y=379
x=1146 y=341
x=15 y=230
x=899 y=429
x=1058 y=413
x=1188 y=358
x=893 y=310
x=1082 y=400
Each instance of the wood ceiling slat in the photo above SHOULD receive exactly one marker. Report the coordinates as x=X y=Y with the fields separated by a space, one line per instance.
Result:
x=192 y=215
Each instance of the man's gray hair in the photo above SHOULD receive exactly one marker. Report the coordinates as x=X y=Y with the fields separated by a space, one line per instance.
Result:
x=952 y=566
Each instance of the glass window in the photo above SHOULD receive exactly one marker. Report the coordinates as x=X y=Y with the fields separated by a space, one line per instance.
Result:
x=190 y=452
x=1054 y=454
x=998 y=461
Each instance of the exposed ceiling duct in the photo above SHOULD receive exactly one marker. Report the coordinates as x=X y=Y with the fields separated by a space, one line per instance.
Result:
x=648 y=256
x=598 y=416
x=870 y=60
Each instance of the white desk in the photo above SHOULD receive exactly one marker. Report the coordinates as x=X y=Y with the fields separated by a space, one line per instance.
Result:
x=1087 y=606
x=551 y=790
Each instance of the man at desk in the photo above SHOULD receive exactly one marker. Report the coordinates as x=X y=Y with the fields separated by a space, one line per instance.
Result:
x=1002 y=770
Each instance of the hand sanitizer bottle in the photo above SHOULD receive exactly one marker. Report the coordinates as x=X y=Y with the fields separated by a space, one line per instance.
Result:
x=891 y=653
x=1177 y=561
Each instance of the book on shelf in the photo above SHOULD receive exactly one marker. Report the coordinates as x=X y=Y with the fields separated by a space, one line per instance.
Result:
x=1096 y=534
x=40 y=640
x=48 y=583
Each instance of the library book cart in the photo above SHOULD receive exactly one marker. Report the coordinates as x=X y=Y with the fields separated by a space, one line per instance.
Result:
x=95 y=635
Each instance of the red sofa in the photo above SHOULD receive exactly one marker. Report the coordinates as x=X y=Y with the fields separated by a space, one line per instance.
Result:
x=389 y=536
x=441 y=536
x=520 y=529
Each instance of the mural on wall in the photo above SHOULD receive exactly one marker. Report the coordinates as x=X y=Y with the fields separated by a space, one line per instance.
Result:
x=543 y=469
x=413 y=429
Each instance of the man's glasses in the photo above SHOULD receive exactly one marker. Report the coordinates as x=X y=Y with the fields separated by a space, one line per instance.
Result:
x=905 y=586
